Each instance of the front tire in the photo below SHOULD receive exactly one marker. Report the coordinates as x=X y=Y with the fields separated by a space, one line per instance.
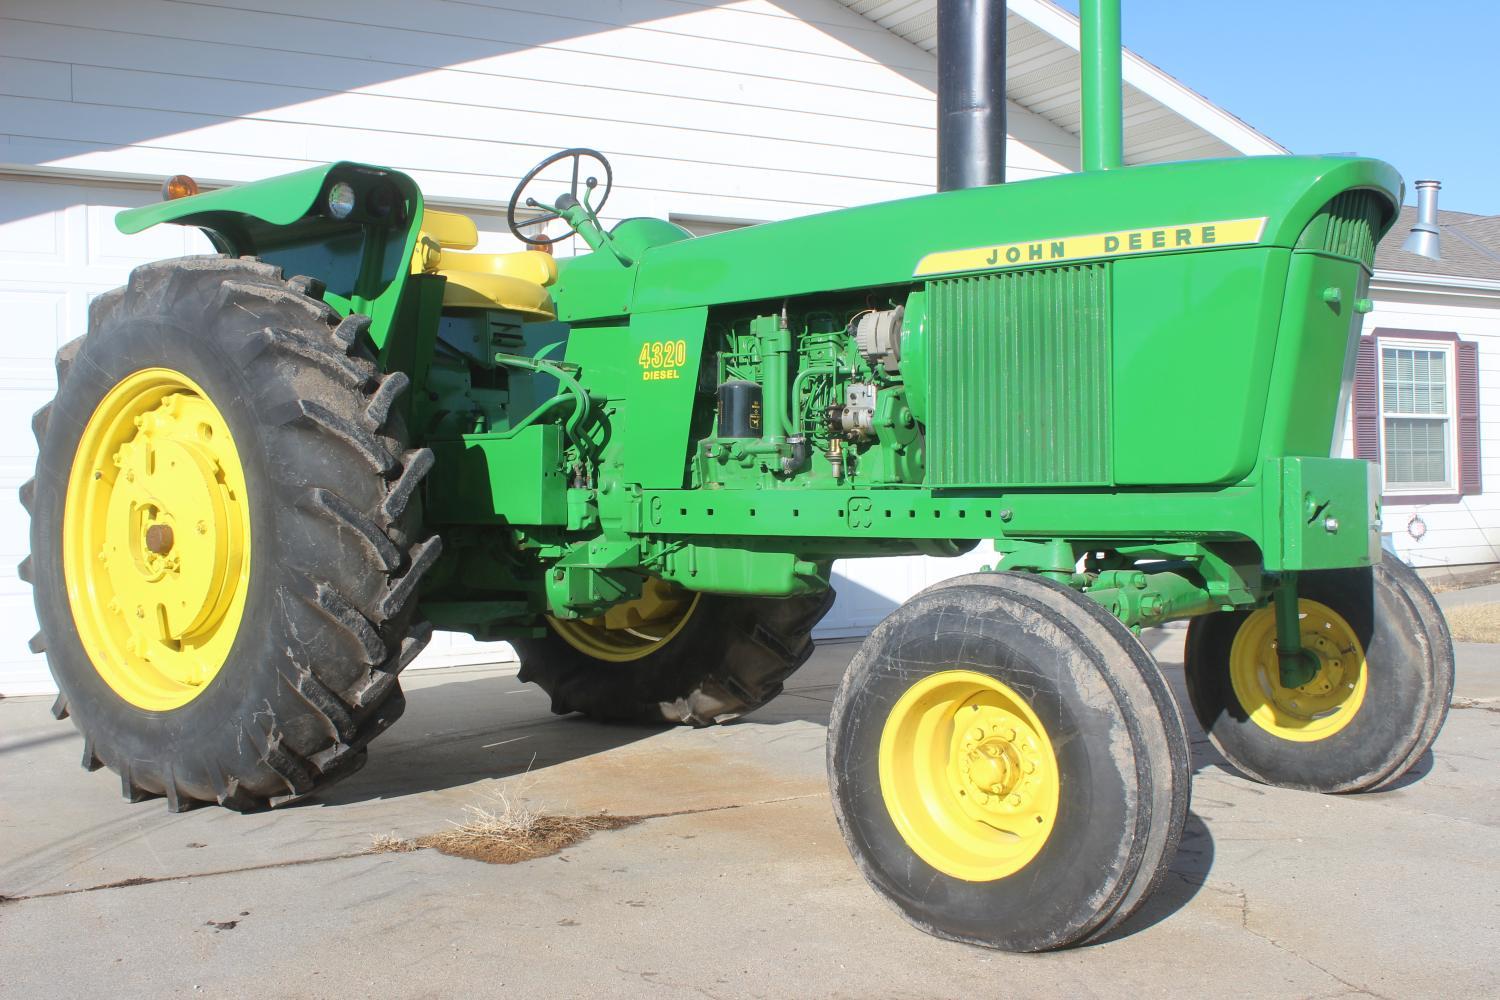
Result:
x=1372 y=711
x=222 y=552
x=1007 y=765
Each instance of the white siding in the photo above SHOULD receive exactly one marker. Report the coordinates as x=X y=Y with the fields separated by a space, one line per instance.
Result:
x=748 y=110
x=1467 y=532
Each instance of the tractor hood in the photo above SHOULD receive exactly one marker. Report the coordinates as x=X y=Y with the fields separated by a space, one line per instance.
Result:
x=1099 y=215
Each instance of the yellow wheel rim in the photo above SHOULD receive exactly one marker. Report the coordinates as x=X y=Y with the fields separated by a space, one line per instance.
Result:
x=633 y=629
x=1321 y=707
x=968 y=775
x=156 y=539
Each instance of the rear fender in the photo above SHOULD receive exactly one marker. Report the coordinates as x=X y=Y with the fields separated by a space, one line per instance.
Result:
x=363 y=260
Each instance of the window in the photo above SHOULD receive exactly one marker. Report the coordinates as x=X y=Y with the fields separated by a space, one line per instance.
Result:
x=1416 y=405
x=1416 y=413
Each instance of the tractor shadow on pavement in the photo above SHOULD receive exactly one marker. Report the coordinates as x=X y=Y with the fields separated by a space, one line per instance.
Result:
x=468 y=725
x=465 y=726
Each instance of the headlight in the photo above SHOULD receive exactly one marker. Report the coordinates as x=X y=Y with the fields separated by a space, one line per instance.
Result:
x=340 y=200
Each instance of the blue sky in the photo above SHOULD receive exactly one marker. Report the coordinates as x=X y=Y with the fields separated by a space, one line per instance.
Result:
x=1414 y=83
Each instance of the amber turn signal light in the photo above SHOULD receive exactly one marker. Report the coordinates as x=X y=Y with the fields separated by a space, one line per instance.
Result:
x=178 y=186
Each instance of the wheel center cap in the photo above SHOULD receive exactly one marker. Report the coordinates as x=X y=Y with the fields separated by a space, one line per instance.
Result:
x=993 y=766
x=159 y=539
x=996 y=761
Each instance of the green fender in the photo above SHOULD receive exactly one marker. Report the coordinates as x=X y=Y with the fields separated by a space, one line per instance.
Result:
x=363 y=260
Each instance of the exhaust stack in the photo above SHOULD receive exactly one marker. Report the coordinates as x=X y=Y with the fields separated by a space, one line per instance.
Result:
x=1424 y=239
x=1103 y=105
x=971 y=93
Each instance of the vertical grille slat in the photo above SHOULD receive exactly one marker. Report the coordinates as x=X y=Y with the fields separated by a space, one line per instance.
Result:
x=1346 y=226
x=1019 y=376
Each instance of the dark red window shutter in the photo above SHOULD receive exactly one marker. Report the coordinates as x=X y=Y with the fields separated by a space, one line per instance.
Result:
x=1367 y=401
x=1469 y=481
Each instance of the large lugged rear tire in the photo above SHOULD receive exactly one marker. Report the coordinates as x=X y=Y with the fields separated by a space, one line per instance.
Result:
x=1007 y=765
x=1372 y=711
x=727 y=656
x=223 y=555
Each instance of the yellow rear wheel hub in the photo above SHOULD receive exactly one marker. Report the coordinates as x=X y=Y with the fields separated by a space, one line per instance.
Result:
x=156 y=539
x=634 y=629
x=969 y=775
x=1326 y=703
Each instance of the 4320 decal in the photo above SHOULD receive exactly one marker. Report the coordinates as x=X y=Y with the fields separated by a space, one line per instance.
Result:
x=662 y=359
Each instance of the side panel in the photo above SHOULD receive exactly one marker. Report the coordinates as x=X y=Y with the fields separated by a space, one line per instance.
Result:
x=648 y=372
x=1194 y=340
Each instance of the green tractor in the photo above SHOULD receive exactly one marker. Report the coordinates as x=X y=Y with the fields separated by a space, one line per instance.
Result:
x=270 y=473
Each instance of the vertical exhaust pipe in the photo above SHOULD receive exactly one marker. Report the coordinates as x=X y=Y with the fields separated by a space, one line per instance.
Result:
x=1103 y=105
x=971 y=93
x=1424 y=239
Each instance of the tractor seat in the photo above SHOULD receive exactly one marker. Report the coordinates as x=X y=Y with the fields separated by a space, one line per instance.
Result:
x=514 y=282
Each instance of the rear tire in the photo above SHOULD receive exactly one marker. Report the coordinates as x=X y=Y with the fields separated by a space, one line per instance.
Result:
x=326 y=610
x=1117 y=742
x=1404 y=694
x=728 y=658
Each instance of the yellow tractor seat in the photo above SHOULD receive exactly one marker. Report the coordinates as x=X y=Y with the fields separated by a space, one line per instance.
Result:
x=450 y=230
x=514 y=282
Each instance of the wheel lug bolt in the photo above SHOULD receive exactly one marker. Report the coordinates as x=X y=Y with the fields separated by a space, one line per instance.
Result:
x=976 y=734
x=1014 y=799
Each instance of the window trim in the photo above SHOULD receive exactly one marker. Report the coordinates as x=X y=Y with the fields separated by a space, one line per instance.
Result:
x=1449 y=348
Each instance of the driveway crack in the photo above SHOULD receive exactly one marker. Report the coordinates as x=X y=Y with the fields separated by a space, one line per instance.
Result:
x=128 y=883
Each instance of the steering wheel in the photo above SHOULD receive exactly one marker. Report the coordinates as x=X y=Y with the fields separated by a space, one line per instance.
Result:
x=567 y=201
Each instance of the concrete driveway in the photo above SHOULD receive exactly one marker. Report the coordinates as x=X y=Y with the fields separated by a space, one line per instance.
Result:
x=745 y=891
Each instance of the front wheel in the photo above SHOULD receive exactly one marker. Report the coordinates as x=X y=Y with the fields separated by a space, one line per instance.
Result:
x=1007 y=765
x=1374 y=707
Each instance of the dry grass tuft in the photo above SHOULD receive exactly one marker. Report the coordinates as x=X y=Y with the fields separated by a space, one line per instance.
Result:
x=506 y=831
x=390 y=843
x=1474 y=622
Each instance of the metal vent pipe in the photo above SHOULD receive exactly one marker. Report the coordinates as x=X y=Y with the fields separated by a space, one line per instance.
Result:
x=971 y=93
x=1424 y=239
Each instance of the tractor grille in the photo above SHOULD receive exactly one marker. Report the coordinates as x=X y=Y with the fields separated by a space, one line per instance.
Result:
x=1019 y=376
x=1346 y=227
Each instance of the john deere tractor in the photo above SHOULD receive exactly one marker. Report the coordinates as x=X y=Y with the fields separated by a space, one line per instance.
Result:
x=269 y=473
